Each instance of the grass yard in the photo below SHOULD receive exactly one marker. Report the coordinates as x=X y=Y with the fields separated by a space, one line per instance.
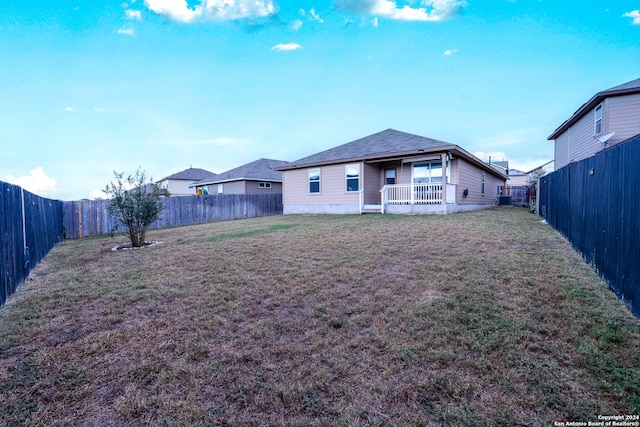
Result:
x=480 y=318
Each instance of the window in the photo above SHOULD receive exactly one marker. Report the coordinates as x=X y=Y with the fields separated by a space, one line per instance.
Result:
x=598 y=122
x=220 y=189
x=482 y=188
x=424 y=173
x=314 y=180
x=264 y=185
x=352 y=173
x=390 y=176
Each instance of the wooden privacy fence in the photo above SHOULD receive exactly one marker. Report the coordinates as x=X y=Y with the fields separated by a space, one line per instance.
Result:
x=86 y=218
x=595 y=203
x=30 y=226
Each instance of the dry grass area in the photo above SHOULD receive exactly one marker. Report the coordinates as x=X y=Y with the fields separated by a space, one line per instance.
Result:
x=481 y=318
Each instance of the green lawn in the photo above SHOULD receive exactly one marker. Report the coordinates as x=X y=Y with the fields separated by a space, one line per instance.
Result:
x=479 y=318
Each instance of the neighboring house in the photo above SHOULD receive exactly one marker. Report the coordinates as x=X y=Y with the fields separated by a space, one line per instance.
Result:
x=258 y=177
x=535 y=174
x=608 y=118
x=392 y=172
x=181 y=183
x=517 y=178
x=502 y=166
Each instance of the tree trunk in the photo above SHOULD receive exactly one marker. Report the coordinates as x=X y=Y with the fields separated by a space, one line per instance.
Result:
x=137 y=238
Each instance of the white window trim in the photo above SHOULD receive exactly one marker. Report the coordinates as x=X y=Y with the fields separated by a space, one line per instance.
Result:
x=430 y=168
x=596 y=119
x=309 y=181
x=346 y=177
x=395 y=173
x=264 y=185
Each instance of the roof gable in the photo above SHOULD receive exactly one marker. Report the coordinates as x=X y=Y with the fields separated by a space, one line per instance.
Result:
x=386 y=143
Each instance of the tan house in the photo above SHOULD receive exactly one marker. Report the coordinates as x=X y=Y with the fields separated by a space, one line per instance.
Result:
x=390 y=172
x=258 y=177
x=181 y=183
x=517 y=178
x=608 y=118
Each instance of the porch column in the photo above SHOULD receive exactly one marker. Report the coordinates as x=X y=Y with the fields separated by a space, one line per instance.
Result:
x=443 y=158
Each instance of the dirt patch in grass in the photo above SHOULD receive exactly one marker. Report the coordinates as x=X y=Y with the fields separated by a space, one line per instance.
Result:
x=481 y=318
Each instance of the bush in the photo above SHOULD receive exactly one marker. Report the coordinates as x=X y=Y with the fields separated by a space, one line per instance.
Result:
x=135 y=203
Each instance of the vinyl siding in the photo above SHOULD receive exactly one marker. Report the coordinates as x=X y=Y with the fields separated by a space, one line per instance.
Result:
x=620 y=114
x=404 y=173
x=233 y=187
x=470 y=177
x=582 y=144
x=332 y=187
x=372 y=183
x=454 y=177
x=561 y=156
x=251 y=187
x=178 y=187
x=623 y=117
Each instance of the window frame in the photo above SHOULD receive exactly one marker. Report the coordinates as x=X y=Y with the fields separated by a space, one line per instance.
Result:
x=430 y=178
x=482 y=187
x=387 y=177
x=352 y=178
x=311 y=174
x=264 y=185
x=597 y=122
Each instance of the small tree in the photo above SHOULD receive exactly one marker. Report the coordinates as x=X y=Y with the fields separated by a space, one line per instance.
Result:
x=135 y=203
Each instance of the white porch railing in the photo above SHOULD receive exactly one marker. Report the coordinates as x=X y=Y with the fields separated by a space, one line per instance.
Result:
x=412 y=194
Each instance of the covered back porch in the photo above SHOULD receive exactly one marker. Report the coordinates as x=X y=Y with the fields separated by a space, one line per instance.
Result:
x=419 y=184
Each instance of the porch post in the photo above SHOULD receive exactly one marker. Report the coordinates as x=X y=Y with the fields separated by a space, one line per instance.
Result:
x=443 y=157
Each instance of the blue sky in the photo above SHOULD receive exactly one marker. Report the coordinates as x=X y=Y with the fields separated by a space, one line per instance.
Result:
x=92 y=87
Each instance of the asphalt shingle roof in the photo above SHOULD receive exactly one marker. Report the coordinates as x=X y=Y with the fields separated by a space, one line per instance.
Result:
x=385 y=143
x=261 y=169
x=192 y=174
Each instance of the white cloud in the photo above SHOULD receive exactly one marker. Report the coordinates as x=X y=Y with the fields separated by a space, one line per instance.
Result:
x=635 y=15
x=179 y=10
x=374 y=22
x=286 y=46
x=296 y=25
x=496 y=156
x=315 y=16
x=68 y=109
x=450 y=52
x=127 y=31
x=97 y=194
x=36 y=182
x=432 y=10
x=133 y=14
